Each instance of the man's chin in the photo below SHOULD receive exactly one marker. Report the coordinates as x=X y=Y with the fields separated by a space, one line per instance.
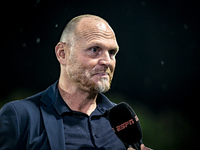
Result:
x=96 y=85
x=102 y=86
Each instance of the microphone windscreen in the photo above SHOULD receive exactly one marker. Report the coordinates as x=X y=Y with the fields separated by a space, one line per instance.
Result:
x=125 y=123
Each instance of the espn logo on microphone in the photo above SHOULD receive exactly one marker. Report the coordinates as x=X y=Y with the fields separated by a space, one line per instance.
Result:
x=125 y=124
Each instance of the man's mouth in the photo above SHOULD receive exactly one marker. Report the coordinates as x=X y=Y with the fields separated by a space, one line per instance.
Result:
x=103 y=74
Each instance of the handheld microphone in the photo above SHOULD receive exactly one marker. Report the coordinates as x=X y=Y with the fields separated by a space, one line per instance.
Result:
x=126 y=125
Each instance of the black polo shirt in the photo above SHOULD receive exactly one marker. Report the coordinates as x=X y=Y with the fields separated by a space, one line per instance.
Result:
x=83 y=132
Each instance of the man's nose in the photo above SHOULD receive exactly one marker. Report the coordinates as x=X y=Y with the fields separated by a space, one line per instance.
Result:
x=105 y=59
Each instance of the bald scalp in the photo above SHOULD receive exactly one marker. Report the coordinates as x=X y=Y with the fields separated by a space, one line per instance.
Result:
x=69 y=33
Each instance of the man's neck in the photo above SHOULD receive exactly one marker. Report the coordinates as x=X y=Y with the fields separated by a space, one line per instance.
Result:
x=78 y=100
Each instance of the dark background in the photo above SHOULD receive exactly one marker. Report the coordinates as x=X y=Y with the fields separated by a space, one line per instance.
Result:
x=157 y=66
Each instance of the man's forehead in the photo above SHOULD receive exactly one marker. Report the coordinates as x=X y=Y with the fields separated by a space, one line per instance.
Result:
x=92 y=25
x=91 y=21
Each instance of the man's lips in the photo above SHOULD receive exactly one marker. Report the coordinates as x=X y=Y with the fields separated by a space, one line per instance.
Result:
x=102 y=74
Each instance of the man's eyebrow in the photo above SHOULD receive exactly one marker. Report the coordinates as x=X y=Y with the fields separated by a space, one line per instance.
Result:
x=116 y=48
x=95 y=43
x=100 y=44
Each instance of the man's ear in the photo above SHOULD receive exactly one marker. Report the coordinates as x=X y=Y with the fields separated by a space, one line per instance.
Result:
x=60 y=51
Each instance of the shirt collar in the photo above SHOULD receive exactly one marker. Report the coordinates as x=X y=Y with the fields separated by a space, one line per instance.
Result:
x=60 y=105
x=103 y=103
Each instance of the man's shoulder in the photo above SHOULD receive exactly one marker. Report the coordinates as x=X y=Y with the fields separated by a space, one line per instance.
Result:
x=24 y=105
x=32 y=102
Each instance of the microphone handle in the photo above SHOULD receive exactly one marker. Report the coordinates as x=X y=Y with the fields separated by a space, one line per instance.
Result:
x=136 y=145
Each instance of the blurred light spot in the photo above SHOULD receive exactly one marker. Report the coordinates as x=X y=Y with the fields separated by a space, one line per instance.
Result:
x=37 y=1
x=185 y=26
x=56 y=25
x=24 y=45
x=143 y=3
x=38 y=40
x=164 y=86
x=162 y=62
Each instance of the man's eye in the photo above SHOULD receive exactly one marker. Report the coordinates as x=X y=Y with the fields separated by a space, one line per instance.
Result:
x=95 y=49
x=112 y=52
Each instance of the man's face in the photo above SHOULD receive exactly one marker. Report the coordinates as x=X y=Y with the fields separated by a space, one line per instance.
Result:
x=92 y=60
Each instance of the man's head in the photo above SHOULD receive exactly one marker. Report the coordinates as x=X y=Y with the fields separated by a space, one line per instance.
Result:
x=86 y=53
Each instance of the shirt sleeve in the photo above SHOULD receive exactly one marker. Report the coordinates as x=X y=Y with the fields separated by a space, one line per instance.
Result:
x=9 y=128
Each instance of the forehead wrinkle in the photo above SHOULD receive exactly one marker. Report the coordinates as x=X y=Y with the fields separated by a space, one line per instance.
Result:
x=100 y=43
x=94 y=37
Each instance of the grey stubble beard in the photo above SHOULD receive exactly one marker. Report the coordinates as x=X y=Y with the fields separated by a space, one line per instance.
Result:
x=78 y=73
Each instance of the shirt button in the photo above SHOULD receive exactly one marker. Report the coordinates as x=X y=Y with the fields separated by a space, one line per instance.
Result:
x=95 y=136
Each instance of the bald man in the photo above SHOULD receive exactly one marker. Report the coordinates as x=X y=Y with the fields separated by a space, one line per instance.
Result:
x=71 y=113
